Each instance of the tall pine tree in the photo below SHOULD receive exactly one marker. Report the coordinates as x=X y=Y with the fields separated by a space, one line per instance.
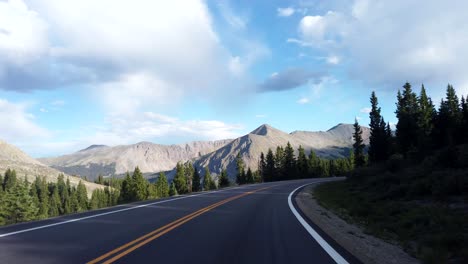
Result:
x=359 y=158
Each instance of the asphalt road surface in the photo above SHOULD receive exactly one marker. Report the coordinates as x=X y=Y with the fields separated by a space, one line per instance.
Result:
x=247 y=224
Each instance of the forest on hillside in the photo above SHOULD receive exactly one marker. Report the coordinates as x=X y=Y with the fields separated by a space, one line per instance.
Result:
x=412 y=185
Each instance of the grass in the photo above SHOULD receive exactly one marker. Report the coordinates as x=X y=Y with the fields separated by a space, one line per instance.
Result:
x=426 y=228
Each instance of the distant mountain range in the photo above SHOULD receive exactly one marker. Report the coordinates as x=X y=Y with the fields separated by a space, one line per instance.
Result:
x=13 y=158
x=152 y=158
x=149 y=157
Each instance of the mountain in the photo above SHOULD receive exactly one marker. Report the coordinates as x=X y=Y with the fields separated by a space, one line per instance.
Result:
x=333 y=143
x=24 y=165
x=149 y=157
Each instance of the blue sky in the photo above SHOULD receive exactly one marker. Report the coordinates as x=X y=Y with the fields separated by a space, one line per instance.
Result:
x=119 y=72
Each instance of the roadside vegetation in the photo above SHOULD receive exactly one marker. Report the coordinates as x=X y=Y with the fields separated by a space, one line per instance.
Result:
x=22 y=201
x=412 y=186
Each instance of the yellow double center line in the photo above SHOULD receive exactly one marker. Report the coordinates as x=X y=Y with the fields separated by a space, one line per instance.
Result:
x=145 y=239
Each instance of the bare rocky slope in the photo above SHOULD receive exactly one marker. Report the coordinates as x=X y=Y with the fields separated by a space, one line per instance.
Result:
x=13 y=158
x=333 y=143
x=149 y=157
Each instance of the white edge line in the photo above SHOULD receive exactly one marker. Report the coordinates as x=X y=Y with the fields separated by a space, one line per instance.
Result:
x=329 y=249
x=108 y=213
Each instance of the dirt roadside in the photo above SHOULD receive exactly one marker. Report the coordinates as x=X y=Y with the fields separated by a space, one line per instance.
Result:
x=366 y=248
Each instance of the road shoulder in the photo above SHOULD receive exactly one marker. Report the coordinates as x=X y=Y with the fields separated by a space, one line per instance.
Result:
x=366 y=248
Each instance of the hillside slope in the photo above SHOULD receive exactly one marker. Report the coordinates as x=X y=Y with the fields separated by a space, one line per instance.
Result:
x=24 y=165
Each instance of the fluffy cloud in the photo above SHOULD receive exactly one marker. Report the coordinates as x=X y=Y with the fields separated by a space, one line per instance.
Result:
x=158 y=128
x=19 y=125
x=285 y=12
x=106 y=42
x=303 y=100
x=388 y=42
x=289 y=79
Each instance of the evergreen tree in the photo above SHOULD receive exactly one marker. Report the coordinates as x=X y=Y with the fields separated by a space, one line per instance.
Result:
x=464 y=110
x=249 y=176
x=9 y=181
x=189 y=170
x=43 y=195
x=449 y=119
x=269 y=171
x=126 y=189
x=18 y=205
x=407 y=113
x=173 y=190
x=240 y=169
x=289 y=165
x=302 y=163
x=82 y=196
x=100 y=179
x=162 y=185
x=179 y=179
x=427 y=115
x=279 y=163
x=378 y=142
x=314 y=164
x=139 y=190
x=196 y=185
x=261 y=166
x=54 y=205
x=359 y=158
x=223 y=179
x=207 y=180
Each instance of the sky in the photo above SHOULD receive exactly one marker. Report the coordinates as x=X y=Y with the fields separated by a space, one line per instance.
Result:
x=76 y=73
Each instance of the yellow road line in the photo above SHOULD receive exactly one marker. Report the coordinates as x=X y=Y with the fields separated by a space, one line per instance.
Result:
x=163 y=230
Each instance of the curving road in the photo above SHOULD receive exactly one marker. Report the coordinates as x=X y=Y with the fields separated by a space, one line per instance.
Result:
x=247 y=224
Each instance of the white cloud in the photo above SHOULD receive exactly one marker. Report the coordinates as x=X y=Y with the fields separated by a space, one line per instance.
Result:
x=23 y=35
x=18 y=125
x=58 y=103
x=285 y=12
x=43 y=110
x=389 y=42
x=303 y=100
x=365 y=110
x=260 y=116
x=235 y=21
x=157 y=127
x=332 y=59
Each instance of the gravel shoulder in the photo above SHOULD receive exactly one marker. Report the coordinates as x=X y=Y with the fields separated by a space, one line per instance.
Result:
x=366 y=248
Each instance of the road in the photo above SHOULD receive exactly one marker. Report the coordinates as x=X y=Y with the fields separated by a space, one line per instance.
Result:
x=247 y=224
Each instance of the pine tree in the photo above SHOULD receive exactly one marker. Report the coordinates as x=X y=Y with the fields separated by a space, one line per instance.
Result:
x=279 y=164
x=18 y=204
x=269 y=171
x=302 y=163
x=407 y=113
x=223 y=179
x=196 y=185
x=448 y=120
x=173 y=190
x=179 y=179
x=40 y=185
x=427 y=114
x=464 y=110
x=249 y=176
x=207 y=180
x=54 y=205
x=162 y=185
x=189 y=170
x=378 y=142
x=139 y=188
x=9 y=180
x=289 y=166
x=314 y=164
x=359 y=158
x=240 y=169
x=126 y=189
x=82 y=196
x=262 y=166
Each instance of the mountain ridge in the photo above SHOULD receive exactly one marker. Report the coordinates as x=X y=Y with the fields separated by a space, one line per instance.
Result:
x=152 y=158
